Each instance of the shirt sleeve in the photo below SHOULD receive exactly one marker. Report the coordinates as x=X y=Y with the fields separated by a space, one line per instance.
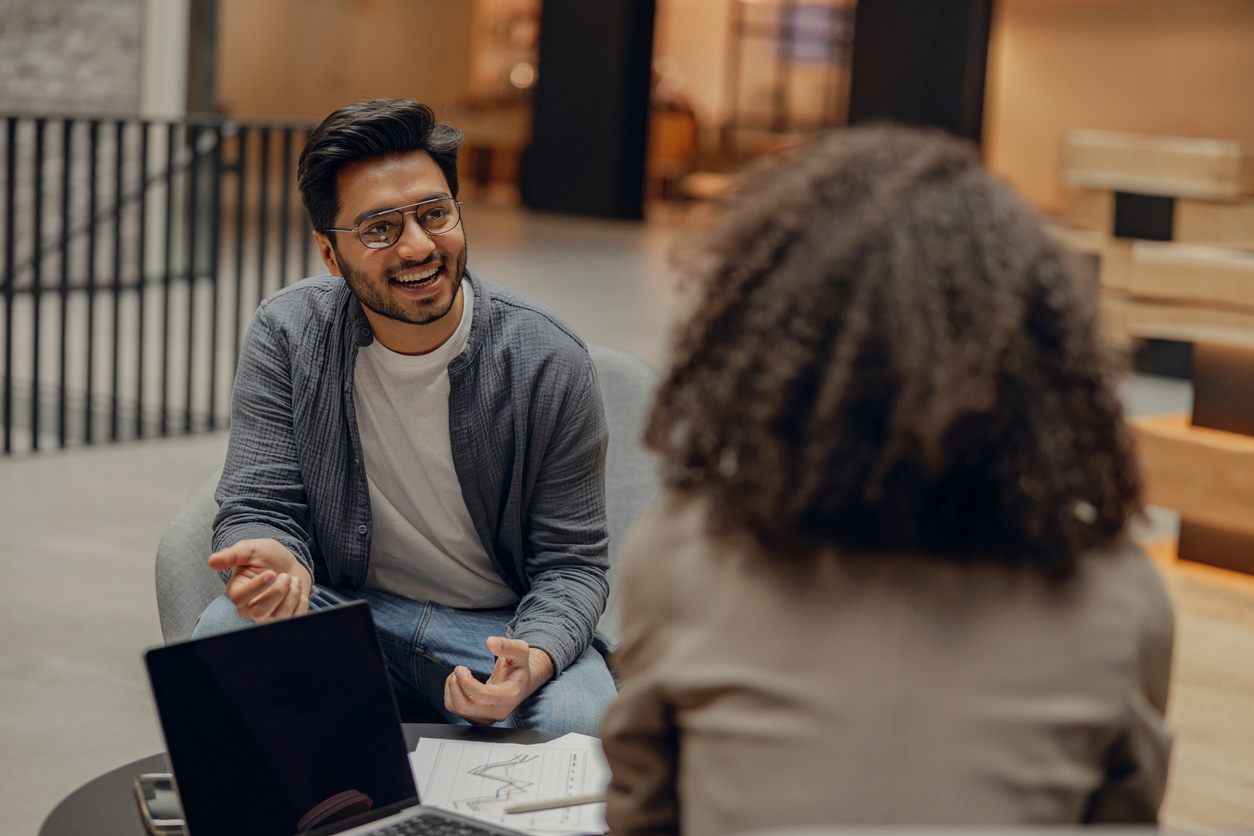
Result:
x=261 y=493
x=640 y=733
x=566 y=523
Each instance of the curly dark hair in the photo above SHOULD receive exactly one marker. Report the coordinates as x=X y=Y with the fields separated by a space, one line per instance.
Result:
x=364 y=131
x=889 y=352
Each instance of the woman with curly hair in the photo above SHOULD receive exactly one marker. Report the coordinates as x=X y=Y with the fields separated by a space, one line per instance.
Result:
x=888 y=583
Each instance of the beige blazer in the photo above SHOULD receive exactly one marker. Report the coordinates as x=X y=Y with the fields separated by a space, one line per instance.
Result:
x=885 y=690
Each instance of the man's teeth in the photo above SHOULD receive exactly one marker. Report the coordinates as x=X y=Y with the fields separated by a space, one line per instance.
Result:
x=418 y=278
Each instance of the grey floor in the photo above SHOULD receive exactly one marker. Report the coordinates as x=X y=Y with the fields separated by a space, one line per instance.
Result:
x=79 y=528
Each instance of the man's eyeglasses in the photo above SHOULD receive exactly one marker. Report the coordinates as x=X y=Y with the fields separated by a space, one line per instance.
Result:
x=383 y=229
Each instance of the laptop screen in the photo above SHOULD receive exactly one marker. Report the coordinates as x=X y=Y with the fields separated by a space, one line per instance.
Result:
x=281 y=728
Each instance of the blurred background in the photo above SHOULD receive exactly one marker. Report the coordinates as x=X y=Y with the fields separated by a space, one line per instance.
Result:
x=726 y=79
x=149 y=204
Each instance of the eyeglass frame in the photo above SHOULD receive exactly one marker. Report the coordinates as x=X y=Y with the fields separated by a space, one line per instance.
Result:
x=413 y=210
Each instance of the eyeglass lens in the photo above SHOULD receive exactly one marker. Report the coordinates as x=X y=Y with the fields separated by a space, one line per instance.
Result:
x=384 y=229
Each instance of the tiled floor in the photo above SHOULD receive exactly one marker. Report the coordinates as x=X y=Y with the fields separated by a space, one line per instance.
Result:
x=78 y=531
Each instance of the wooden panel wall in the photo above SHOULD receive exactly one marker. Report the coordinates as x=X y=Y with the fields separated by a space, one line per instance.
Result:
x=1151 y=66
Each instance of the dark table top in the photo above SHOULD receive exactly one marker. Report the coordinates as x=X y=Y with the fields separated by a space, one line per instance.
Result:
x=106 y=806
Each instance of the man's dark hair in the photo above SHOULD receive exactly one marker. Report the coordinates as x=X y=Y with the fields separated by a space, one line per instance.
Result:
x=364 y=131
x=889 y=353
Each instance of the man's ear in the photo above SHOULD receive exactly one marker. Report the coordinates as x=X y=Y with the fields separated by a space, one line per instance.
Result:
x=327 y=251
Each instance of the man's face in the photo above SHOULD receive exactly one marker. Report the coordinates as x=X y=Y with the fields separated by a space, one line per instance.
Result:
x=414 y=281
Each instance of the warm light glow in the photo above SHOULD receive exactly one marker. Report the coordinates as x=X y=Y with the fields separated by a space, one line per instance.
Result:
x=523 y=75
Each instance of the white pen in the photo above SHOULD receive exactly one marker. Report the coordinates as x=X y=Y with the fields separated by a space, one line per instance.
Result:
x=554 y=803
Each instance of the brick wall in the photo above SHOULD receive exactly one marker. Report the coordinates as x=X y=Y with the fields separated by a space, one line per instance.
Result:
x=70 y=56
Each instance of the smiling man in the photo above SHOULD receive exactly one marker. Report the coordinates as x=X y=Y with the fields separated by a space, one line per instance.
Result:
x=408 y=433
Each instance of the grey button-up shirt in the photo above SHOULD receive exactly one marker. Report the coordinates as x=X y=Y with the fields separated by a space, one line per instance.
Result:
x=527 y=429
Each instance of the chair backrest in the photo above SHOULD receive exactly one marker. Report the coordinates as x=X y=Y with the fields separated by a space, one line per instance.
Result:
x=631 y=474
x=186 y=584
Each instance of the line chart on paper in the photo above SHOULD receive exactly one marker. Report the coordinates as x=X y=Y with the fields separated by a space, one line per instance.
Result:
x=511 y=786
x=481 y=781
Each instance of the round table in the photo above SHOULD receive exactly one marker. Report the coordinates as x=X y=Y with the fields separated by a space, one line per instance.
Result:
x=106 y=806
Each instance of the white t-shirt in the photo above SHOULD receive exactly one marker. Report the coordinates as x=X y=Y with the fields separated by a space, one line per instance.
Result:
x=424 y=544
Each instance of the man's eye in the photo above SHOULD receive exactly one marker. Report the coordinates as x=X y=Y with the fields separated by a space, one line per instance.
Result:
x=380 y=228
x=437 y=214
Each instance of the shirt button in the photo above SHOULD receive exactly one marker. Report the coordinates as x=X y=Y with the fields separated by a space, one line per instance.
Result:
x=365 y=331
x=361 y=529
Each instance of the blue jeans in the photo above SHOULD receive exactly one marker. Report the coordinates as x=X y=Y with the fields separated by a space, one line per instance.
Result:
x=423 y=642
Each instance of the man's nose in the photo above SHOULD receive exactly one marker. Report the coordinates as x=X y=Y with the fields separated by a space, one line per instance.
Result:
x=415 y=243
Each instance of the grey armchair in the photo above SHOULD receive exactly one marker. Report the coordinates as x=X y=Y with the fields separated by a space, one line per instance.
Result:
x=186 y=584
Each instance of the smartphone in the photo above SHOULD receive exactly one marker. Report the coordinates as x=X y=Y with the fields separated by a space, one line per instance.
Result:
x=159 y=804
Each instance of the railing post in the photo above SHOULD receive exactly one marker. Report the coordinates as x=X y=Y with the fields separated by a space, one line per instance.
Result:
x=193 y=180
x=119 y=184
x=141 y=278
x=36 y=279
x=93 y=174
x=93 y=196
x=167 y=267
x=67 y=169
x=263 y=214
x=306 y=227
x=285 y=230
x=215 y=211
x=241 y=213
x=10 y=189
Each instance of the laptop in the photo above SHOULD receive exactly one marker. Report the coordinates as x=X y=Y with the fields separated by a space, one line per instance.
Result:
x=291 y=727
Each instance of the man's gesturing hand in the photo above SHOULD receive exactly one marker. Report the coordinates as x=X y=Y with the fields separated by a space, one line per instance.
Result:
x=519 y=671
x=267 y=582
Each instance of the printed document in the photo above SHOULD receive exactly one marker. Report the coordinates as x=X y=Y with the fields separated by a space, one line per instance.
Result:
x=479 y=780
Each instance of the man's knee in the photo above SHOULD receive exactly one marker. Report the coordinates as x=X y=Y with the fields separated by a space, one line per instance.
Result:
x=574 y=702
x=220 y=616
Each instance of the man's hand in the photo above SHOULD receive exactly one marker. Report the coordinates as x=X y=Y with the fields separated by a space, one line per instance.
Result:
x=519 y=671
x=267 y=580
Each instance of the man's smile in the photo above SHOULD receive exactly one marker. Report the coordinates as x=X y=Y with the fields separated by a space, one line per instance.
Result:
x=418 y=275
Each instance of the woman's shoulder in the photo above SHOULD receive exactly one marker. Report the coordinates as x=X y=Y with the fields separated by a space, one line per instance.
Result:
x=1122 y=576
x=669 y=553
x=672 y=531
x=1123 y=582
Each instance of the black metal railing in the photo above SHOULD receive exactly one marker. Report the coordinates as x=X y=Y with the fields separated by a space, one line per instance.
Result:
x=134 y=254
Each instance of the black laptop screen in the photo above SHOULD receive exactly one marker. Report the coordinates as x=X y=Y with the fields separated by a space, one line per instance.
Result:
x=269 y=724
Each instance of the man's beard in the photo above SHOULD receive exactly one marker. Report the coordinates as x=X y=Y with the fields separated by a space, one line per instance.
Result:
x=377 y=299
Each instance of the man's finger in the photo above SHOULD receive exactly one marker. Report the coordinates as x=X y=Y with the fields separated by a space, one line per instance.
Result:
x=466 y=706
x=479 y=696
x=264 y=603
x=287 y=607
x=241 y=590
x=492 y=695
x=303 y=606
x=514 y=650
x=228 y=559
x=456 y=700
x=450 y=702
x=267 y=579
x=234 y=555
x=470 y=686
x=511 y=659
x=283 y=598
x=460 y=698
x=295 y=597
x=268 y=600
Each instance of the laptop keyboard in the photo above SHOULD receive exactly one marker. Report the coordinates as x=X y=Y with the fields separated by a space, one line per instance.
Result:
x=428 y=825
